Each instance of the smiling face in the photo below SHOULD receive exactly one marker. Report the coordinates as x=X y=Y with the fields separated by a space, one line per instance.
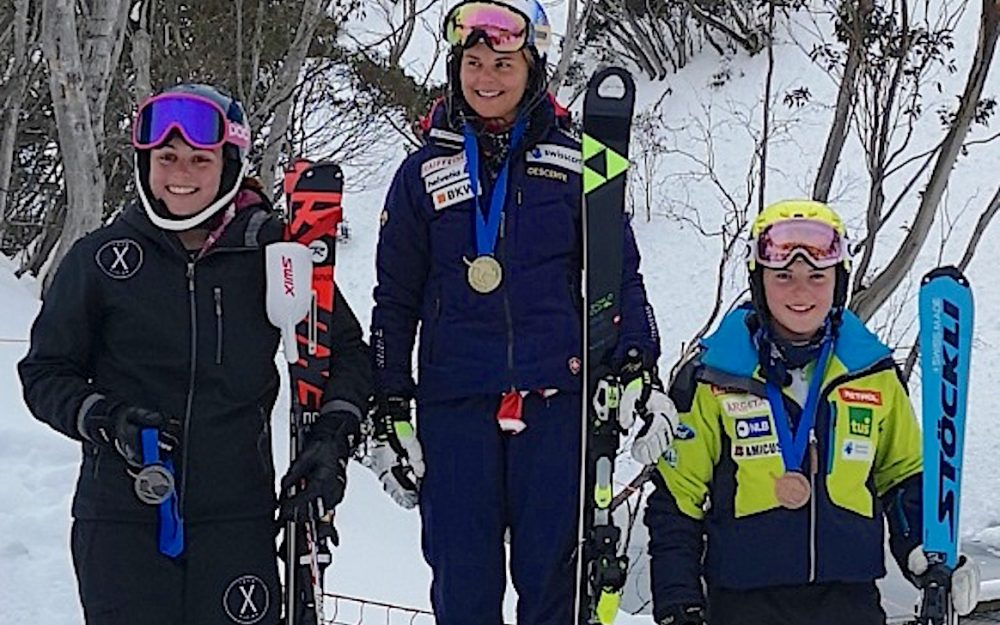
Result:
x=799 y=297
x=186 y=179
x=493 y=82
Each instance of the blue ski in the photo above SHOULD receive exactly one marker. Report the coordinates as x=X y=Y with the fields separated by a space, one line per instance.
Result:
x=946 y=320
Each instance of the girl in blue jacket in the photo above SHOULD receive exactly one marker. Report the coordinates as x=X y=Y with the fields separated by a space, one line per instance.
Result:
x=480 y=247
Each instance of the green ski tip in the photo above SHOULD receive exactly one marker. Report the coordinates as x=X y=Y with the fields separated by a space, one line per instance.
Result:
x=607 y=607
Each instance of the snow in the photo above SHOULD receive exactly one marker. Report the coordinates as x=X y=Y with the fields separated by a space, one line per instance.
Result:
x=379 y=558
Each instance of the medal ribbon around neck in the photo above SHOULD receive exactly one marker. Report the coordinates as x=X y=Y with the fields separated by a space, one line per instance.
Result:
x=793 y=448
x=487 y=228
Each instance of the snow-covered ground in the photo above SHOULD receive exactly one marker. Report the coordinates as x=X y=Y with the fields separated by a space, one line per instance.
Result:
x=379 y=558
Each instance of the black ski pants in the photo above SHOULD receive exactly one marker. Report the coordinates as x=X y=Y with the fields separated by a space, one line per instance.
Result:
x=227 y=574
x=815 y=604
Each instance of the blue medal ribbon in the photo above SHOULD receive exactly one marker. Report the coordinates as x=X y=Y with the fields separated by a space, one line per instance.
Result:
x=793 y=448
x=488 y=227
x=171 y=525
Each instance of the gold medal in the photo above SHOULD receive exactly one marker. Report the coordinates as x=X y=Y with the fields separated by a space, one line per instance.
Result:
x=484 y=274
x=792 y=490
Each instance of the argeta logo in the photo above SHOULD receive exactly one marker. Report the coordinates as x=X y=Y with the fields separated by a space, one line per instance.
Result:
x=246 y=600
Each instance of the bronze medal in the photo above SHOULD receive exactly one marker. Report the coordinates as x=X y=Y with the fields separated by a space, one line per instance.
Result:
x=792 y=490
x=484 y=274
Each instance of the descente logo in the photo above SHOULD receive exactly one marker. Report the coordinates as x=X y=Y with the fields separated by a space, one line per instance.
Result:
x=287 y=276
x=855 y=396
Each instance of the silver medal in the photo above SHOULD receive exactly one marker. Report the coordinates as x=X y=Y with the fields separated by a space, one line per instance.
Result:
x=154 y=484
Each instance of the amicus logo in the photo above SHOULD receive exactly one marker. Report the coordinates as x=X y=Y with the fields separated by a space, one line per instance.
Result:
x=948 y=331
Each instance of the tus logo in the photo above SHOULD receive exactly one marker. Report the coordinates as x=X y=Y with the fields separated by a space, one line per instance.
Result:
x=947 y=324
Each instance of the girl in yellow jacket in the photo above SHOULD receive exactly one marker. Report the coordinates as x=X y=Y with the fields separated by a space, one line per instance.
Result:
x=796 y=439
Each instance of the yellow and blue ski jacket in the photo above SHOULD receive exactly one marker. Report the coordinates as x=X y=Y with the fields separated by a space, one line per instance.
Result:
x=715 y=514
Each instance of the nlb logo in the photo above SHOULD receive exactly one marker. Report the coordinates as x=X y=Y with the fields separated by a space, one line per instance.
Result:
x=753 y=427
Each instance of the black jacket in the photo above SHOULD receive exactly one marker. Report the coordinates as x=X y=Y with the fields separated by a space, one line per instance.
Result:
x=130 y=316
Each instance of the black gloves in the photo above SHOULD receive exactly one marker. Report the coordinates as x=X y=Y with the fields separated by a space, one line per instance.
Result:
x=681 y=614
x=319 y=474
x=118 y=425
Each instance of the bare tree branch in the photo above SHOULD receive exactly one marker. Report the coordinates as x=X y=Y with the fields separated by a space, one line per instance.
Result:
x=280 y=94
x=869 y=300
x=768 y=85
x=846 y=94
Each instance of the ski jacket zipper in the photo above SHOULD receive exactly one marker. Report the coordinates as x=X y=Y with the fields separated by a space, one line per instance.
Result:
x=190 y=394
x=813 y=461
x=506 y=295
x=814 y=449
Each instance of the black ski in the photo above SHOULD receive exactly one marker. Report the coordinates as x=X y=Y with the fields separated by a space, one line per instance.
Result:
x=607 y=122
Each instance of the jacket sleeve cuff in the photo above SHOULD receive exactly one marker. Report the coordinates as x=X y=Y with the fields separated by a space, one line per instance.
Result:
x=340 y=405
x=88 y=404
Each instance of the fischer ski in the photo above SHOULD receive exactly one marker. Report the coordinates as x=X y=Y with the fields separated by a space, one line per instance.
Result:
x=314 y=193
x=946 y=320
x=607 y=121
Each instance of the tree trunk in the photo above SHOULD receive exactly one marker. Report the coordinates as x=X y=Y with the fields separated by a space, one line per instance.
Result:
x=11 y=107
x=870 y=300
x=141 y=51
x=280 y=95
x=845 y=105
x=103 y=40
x=82 y=172
x=573 y=28
x=409 y=21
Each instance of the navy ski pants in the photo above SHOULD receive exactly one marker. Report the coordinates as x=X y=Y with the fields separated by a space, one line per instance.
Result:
x=481 y=481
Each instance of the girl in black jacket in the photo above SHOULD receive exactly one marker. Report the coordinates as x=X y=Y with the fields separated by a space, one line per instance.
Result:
x=153 y=340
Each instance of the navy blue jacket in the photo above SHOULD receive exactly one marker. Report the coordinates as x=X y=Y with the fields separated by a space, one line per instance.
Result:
x=527 y=333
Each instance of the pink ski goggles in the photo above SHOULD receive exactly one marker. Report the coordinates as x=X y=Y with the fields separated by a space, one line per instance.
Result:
x=501 y=28
x=778 y=245
x=200 y=121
